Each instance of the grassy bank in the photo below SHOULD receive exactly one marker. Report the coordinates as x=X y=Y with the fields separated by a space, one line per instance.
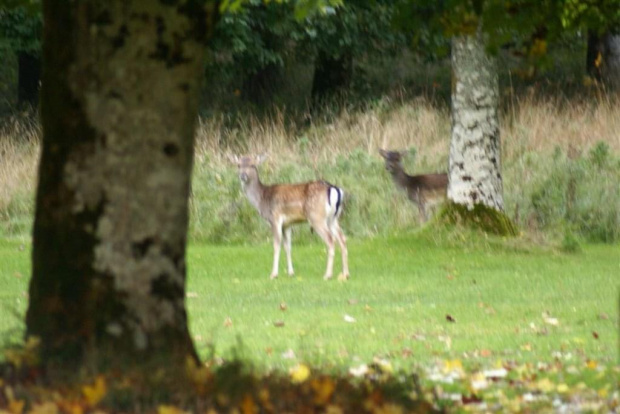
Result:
x=561 y=168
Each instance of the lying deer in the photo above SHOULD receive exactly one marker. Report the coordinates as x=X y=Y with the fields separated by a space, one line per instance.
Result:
x=424 y=190
x=283 y=205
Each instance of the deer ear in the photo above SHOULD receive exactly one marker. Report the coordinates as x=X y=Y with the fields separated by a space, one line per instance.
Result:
x=382 y=152
x=260 y=158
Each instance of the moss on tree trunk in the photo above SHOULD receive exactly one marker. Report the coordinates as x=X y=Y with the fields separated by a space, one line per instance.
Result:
x=481 y=217
x=475 y=190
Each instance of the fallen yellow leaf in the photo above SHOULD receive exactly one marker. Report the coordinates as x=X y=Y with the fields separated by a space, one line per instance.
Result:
x=299 y=373
x=16 y=406
x=170 y=409
x=389 y=409
x=95 y=393
x=545 y=385
x=453 y=365
x=70 y=407
x=198 y=374
x=562 y=388
x=333 y=409
x=248 y=406
x=45 y=408
x=323 y=390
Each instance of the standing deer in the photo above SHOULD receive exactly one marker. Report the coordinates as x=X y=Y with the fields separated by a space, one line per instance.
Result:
x=423 y=190
x=283 y=205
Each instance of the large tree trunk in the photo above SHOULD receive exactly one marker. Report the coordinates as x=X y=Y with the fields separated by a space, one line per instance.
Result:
x=118 y=105
x=603 y=58
x=28 y=76
x=475 y=174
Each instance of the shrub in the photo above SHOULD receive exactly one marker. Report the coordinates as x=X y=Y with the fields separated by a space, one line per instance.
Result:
x=582 y=193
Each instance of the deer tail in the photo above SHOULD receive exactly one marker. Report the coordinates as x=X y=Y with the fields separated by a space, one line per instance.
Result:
x=335 y=197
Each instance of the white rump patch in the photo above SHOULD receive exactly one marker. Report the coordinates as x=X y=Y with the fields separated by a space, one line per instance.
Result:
x=334 y=202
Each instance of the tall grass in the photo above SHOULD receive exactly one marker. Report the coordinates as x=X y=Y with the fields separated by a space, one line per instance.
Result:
x=19 y=154
x=561 y=166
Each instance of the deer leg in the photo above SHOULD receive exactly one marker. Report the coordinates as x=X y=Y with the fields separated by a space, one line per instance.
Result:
x=277 y=244
x=288 y=236
x=342 y=242
x=422 y=209
x=325 y=234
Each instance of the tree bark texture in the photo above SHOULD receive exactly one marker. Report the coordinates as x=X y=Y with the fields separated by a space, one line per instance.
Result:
x=118 y=105
x=474 y=167
x=28 y=77
x=603 y=58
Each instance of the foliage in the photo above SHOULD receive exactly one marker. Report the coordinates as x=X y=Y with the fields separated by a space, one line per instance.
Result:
x=21 y=26
x=359 y=27
x=525 y=27
x=267 y=36
x=253 y=37
x=599 y=16
x=582 y=193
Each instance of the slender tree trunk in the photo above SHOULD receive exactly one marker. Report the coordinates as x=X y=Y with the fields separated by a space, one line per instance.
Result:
x=592 y=55
x=332 y=75
x=610 y=65
x=603 y=58
x=28 y=77
x=260 y=87
x=118 y=105
x=475 y=174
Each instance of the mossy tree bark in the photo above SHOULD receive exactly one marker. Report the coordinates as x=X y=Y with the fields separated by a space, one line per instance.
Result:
x=474 y=167
x=475 y=188
x=118 y=105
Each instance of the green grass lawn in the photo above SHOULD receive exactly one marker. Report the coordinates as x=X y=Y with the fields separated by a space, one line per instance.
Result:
x=400 y=294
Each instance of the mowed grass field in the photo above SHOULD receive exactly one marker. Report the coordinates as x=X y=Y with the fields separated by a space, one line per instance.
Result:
x=411 y=300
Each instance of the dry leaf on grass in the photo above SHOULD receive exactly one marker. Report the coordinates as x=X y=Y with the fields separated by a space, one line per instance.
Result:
x=95 y=393
x=299 y=373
